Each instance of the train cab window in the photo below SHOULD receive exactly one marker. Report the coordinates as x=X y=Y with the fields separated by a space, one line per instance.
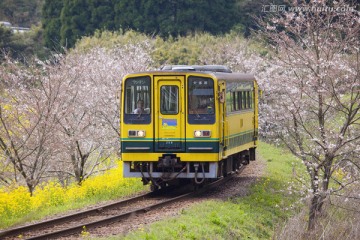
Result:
x=169 y=100
x=137 y=100
x=201 y=103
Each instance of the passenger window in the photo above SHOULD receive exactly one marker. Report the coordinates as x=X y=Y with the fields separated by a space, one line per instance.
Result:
x=239 y=101
x=249 y=99
x=229 y=105
x=234 y=101
x=244 y=100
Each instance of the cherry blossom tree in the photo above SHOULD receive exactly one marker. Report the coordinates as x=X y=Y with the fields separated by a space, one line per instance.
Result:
x=89 y=129
x=312 y=89
x=26 y=121
x=61 y=117
x=234 y=52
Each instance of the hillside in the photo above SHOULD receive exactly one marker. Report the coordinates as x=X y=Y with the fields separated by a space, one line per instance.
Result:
x=21 y=13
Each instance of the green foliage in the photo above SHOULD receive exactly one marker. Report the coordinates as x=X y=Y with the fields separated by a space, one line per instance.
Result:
x=82 y=18
x=110 y=40
x=51 y=23
x=173 y=18
x=248 y=10
x=199 y=48
x=23 y=13
x=77 y=18
x=129 y=14
x=74 y=17
x=102 y=15
x=252 y=217
x=17 y=206
x=23 y=46
x=184 y=50
x=5 y=37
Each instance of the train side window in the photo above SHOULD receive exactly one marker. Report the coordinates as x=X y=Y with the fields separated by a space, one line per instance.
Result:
x=244 y=100
x=248 y=99
x=251 y=99
x=239 y=100
x=234 y=101
x=229 y=105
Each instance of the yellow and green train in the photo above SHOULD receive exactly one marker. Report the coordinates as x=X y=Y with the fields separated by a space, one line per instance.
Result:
x=187 y=123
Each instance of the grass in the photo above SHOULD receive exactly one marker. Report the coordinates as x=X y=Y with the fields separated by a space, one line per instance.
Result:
x=255 y=216
x=17 y=206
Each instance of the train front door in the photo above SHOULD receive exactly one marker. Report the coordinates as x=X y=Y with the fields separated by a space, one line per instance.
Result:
x=170 y=114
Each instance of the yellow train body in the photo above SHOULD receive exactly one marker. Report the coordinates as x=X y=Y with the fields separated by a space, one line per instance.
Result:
x=187 y=122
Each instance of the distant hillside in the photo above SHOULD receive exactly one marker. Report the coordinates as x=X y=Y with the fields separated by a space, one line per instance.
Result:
x=23 y=13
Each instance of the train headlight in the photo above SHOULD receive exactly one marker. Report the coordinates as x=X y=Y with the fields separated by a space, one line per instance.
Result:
x=202 y=133
x=197 y=133
x=136 y=133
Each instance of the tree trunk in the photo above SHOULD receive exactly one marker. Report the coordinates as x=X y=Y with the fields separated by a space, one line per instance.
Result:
x=76 y=169
x=326 y=179
x=315 y=210
x=31 y=188
x=313 y=213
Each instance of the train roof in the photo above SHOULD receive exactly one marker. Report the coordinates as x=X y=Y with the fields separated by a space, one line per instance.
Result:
x=201 y=68
x=219 y=71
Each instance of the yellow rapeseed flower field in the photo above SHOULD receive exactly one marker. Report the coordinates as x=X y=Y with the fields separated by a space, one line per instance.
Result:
x=16 y=203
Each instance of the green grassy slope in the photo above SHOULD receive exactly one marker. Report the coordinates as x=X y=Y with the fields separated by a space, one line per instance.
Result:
x=252 y=217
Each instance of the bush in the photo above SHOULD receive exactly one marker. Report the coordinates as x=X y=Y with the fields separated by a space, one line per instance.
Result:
x=16 y=204
x=340 y=220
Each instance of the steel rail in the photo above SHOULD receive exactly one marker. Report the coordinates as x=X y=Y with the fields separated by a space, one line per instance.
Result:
x=103 y=222
x=63 y=219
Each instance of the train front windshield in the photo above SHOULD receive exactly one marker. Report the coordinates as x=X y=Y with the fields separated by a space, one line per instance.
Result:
x=201 y=101
x=137 y=100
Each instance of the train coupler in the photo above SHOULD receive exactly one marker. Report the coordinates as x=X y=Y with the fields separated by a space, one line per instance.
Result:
x=169 y=161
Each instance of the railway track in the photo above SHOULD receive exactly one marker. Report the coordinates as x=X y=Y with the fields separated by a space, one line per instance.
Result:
x=74 y=224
